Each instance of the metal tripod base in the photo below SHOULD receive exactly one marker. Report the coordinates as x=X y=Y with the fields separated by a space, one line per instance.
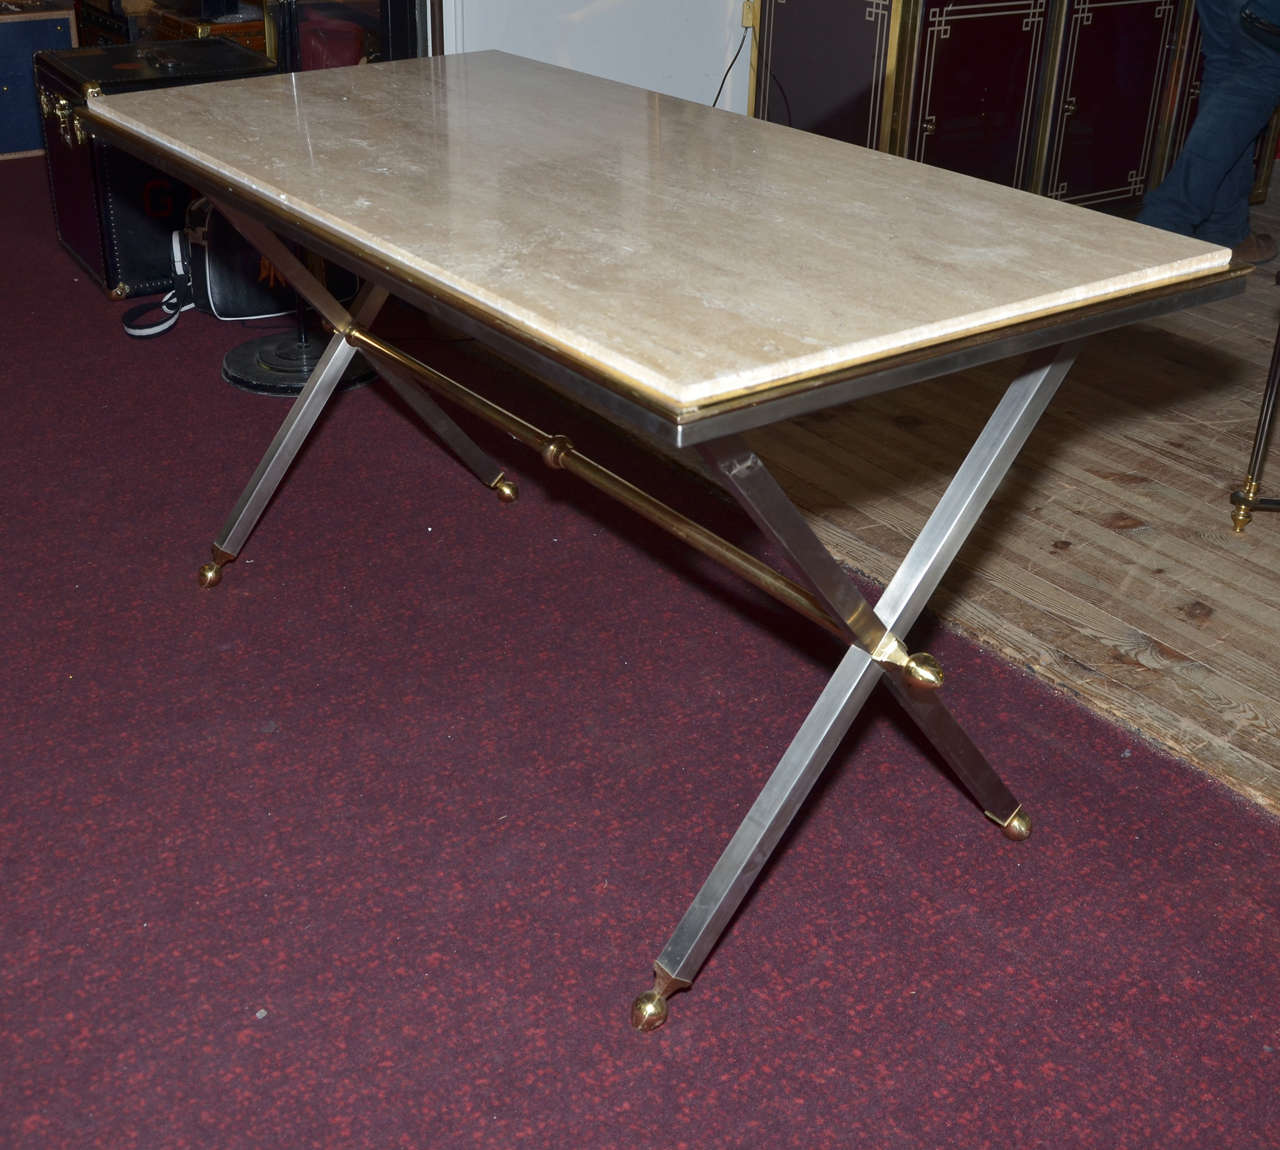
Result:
x=281 y=363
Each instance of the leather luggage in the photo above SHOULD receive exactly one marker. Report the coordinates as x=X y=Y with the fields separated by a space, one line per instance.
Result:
x=96 y=25
x=242 y=23
x=115 y=213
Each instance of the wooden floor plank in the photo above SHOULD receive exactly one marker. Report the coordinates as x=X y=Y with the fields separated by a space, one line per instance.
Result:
x=1106 y=563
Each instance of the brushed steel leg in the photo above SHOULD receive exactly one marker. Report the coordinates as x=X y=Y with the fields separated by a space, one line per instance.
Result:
x=319 y=390
x=831 y=716
x=293 y=432
x=473 y=457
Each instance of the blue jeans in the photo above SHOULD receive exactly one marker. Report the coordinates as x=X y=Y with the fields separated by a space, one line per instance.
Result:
x=1206 y=192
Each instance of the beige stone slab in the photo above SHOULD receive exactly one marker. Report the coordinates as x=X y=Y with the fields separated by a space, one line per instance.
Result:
x=687 y=253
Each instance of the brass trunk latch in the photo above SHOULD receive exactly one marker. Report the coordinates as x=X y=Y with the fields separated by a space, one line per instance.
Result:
x=69 y=128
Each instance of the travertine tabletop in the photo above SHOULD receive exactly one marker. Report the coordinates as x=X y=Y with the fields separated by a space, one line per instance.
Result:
x=681 y=252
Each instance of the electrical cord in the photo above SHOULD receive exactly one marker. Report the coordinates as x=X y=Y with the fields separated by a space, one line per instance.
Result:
x=725 y=77
x=783 y=93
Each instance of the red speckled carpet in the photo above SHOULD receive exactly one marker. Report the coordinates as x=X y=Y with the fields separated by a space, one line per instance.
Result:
x=373 y=845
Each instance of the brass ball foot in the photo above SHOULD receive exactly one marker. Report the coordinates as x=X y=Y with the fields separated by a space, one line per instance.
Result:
x=507 y=491
x=924 y=670
x=210 y=575
x=648 y=1011
x=1240 y=519
x=1018 y=827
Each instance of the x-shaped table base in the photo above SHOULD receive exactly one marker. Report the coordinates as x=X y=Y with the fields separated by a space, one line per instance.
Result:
x=828 y=594
x=831 y=716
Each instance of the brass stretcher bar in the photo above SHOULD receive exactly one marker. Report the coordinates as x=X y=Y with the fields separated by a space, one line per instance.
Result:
x=556 y=451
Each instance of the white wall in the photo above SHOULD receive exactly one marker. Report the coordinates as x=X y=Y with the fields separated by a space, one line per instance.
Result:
x=679 y=47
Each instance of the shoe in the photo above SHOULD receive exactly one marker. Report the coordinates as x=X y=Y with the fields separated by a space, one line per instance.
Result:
x=1256 y=249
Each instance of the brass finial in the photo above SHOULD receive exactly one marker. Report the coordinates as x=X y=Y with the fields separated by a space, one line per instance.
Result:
x=1018 y=827
x=506 y=490
x=1241 y=514
x=924 y=670
x=211 y=572
x=648 y=1011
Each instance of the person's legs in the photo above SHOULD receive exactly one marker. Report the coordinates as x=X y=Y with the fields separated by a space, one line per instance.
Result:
x=1206 y=192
